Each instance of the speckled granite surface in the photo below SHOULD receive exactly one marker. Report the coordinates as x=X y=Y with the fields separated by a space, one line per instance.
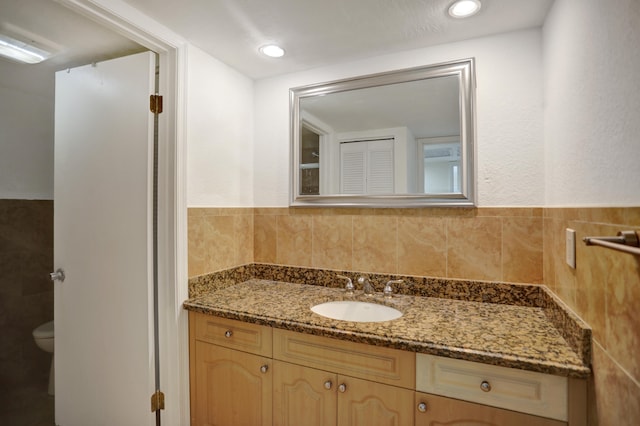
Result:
x=517 y=335
x=575 y=332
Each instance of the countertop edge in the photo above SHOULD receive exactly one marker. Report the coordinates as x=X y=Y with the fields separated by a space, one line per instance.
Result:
x=510 y=361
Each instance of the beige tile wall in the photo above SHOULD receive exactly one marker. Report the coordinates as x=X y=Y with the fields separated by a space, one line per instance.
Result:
x=604 y=290
x=219 y=238
x=486 y=244
x=503 y=244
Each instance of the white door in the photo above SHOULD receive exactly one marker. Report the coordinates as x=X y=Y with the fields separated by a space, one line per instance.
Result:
x=104 y=357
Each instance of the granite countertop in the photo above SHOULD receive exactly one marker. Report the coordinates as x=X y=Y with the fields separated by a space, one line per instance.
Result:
x=498 y=334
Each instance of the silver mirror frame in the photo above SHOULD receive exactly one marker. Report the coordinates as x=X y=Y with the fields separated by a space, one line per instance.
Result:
x=463 y=69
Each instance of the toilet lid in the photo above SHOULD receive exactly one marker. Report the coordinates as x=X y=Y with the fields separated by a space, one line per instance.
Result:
x=44 y=331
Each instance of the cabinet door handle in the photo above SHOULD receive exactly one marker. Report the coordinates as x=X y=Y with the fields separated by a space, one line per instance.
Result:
x=264 y=368
x=328 y=384
x=485 y=386
x=342 y=388
x=422 y=407
x=228 y=333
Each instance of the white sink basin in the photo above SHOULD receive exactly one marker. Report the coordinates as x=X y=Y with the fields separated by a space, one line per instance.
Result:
x=348 y=310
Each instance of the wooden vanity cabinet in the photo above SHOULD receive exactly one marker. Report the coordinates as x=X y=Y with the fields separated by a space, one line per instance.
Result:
x=369 y=403
x=247 y=374
x=303 y=396
x=322 y=381
x=310 y=397
x=495 y=394
x=232 y=387
x=433 y=410
x=231 y=372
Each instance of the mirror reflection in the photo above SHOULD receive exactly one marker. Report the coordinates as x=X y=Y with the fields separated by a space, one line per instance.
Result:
x=403 y=137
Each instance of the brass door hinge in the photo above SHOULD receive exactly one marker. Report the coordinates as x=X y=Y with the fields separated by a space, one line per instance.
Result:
x=155 y=104
x=157 y=401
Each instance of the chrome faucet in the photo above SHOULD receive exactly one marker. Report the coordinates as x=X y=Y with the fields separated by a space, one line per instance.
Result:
x=367 y=287
x=388 y=290
x=348 y=288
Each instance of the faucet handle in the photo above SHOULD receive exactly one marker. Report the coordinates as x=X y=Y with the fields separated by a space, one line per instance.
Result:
x=348 y=288
x=388 y=290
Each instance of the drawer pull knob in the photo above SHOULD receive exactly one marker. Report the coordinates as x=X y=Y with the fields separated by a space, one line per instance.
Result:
x=342 y=388
x=485 y=386
x=228 y=333
x=422 y=407
x=328 y=384
x=264 y=368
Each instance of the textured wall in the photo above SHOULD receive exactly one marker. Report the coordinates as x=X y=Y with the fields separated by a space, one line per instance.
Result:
x=592 y=103
x=26 y=135
x=219 y=134
x=509 y=116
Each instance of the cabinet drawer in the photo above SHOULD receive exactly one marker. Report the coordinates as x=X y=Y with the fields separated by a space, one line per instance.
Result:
x=243 y=336
x=524 y=391
x=438 y=410
x=384 y=365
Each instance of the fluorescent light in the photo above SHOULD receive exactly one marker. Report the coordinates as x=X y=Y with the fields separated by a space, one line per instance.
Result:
x=464 y=8
x=272 y=50
x=21 y=51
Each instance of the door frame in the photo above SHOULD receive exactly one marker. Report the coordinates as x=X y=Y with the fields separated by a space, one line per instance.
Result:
x=172 y=203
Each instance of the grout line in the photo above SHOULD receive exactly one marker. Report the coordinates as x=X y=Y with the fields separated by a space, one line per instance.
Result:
x=397 y=248
x=313 y=239
x=353 y=242
x=616 y=363
x=446 y=247
x=501 y=249
x=277 y=228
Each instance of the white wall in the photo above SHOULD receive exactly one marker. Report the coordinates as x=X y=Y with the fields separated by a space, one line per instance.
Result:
x=592 y=103
x=26 y=131
x=509 y=116
x=219 y=134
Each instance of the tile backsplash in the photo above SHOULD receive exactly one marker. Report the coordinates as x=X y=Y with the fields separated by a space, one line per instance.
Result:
x=219 y=238
x=447 y=243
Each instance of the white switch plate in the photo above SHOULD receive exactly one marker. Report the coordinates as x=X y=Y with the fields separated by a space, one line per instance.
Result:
x=571 y=247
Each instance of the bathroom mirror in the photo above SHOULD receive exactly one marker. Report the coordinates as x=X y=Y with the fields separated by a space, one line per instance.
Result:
x=397 y=139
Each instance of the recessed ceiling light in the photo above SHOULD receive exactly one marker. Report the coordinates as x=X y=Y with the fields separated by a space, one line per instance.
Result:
x=272 y=51
x=21 y=51
x=464 y=8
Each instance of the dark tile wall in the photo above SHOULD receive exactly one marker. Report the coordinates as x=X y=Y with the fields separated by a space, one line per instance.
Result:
x=26 y=293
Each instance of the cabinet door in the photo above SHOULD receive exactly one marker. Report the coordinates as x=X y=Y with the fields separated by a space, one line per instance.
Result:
x=438 y=410
x=232 y=387
x=303 y=396
x=361 y=402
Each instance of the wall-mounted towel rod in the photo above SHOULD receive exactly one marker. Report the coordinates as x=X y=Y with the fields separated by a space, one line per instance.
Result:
x=626 y=241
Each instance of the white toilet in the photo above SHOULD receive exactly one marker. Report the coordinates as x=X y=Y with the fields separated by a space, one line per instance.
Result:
x=44 y=337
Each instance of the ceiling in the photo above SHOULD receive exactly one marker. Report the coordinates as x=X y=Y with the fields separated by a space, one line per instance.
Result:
x=314 y=33
x=427 y=107
x=74 y=39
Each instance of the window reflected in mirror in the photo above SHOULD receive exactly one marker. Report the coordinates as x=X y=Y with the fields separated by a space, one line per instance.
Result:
x=309 y=162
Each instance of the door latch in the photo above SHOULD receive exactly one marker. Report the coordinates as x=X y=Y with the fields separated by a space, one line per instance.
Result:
x=58 y=275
